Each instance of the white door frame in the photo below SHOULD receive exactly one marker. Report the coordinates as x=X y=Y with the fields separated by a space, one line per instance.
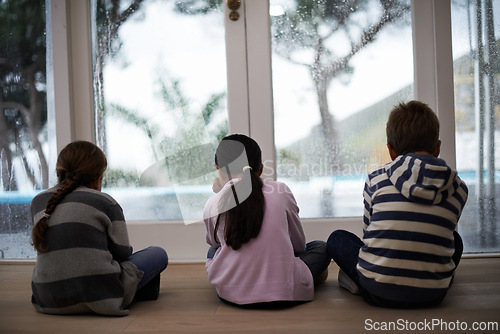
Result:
x=250 y=101
x=249 y=77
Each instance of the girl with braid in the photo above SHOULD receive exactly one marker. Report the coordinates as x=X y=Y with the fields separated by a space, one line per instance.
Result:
x=258 y=253
x=85 y=262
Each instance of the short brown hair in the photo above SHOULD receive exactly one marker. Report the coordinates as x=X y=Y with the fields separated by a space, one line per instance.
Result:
x=413 y=127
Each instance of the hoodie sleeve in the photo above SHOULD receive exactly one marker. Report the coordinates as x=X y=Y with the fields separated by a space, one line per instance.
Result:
x=374 y=181
x=367 y=203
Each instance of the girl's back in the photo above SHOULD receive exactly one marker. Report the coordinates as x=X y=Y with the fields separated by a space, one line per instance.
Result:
x=86 y=239
x=264 y=269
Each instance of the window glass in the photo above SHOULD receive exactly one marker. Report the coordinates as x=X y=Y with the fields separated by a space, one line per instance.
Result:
x=24 y=147
x=338 y=69
x=476 y=66
x=160 y=89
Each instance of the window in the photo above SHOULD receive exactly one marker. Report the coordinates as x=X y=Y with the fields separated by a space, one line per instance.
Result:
x=330 y=105
x=160 y=88
x=476 y=63
x=159 y=71
x=24 y=121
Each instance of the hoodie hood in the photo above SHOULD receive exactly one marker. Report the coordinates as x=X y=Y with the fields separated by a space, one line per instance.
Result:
x=423 y=178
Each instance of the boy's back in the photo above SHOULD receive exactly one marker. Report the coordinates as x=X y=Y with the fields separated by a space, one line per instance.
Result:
x=410 y=247
x=412 y=206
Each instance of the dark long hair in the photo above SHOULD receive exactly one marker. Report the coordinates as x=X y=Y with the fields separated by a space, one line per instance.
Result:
x=244 y=205
x=80 y=163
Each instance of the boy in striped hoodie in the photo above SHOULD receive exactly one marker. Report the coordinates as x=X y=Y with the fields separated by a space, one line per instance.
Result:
x=410 y=247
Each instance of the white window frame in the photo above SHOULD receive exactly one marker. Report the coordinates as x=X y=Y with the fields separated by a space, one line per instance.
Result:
x=72 y=71
x=431 y=26
x=250 y=101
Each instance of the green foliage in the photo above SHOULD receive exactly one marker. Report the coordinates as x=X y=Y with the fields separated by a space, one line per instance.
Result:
x=193 y=127
x=323 y=27
x=109 y=16
x=22 y=51
x=287 y=156
x=22 y=31
x=23 y=107
x=172 y=95
x=195 y=7
x=118 y=178
x=324 y=36
x=213 y=103
x=133 y=118
x=185 y=150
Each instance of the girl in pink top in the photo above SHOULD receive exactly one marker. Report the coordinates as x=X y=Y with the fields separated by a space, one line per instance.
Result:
x=258 y=248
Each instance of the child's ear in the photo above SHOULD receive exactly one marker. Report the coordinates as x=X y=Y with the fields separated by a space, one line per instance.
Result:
x=97 y=184
x=438 y=149
x=392 y=152
x=260 y=170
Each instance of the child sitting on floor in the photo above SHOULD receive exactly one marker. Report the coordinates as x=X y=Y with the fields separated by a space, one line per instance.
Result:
x=85 y=262
x=258 y=250
x=410 y=247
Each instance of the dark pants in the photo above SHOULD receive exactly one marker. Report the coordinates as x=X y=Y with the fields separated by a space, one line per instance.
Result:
x=316 y=258
x=344 y=246
x=152 y=261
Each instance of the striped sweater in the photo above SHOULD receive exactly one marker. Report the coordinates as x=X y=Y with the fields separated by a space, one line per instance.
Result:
x=86 y=267
x=411 y=208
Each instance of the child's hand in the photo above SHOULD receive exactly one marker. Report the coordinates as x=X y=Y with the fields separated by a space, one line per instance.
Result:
x=218 y=185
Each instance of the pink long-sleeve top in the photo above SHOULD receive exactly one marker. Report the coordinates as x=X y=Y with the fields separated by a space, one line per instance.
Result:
x=265 y=269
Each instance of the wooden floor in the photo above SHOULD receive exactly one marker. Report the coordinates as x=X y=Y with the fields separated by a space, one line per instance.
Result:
x=189 y=304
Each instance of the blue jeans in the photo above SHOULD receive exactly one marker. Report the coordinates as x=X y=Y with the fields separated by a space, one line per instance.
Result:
x=344 y=246
x=315 y=257
x=152 y=261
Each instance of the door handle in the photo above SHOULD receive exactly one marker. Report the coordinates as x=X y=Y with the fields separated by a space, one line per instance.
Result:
x=234 y=5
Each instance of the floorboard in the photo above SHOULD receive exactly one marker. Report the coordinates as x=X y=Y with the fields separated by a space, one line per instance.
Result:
x=189 y=304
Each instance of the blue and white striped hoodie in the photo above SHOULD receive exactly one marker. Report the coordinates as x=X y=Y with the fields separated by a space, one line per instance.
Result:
x=411 y=208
